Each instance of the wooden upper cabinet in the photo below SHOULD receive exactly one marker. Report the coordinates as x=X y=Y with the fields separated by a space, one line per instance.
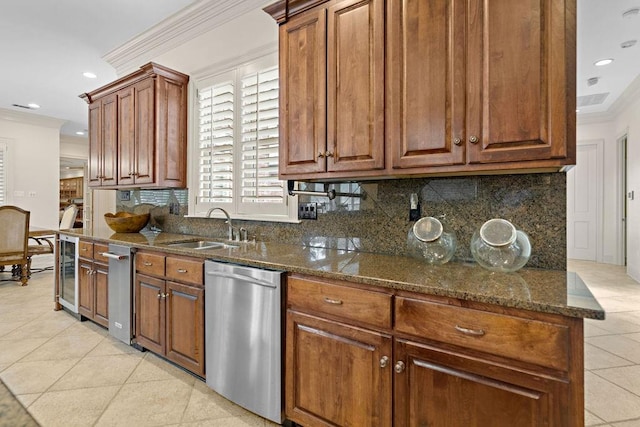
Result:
x=355 y=85
x=426 y=82
x=146 y=126
x=418 y=87
x=521 y=80
x=103 y=141
x=302 y=93
x=332 y=89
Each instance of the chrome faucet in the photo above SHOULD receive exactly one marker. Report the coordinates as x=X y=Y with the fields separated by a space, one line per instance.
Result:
x=228 y=220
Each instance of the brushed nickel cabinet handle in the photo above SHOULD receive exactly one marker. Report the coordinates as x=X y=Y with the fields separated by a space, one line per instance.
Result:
x=399 y=368
x=182 y=270
x=160 y=295
x=332 y=301
x=474 y=139
x=320 y=155
x=472 y=332
x=147 y=264
x=457 y=141
x=328 y=154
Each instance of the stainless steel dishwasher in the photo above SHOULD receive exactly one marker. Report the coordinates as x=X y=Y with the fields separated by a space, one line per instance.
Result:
x=243 y=333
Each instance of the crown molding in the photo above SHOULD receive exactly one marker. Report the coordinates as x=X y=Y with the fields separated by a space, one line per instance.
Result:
x=628 y=97
x=196 y=19
x=31 y=119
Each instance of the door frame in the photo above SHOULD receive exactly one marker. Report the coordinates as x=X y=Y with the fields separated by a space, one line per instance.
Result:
x=622 y=143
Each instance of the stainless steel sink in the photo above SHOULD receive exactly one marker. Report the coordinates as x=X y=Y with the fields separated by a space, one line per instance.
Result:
x=201 y=244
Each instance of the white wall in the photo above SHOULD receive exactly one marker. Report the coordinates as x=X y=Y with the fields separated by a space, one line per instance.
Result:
x=34 y=169
x=626 y=121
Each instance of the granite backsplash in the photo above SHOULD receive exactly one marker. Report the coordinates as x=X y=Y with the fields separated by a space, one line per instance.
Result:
x=377 y=218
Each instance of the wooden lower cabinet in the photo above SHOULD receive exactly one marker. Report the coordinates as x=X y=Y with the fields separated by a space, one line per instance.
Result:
x=436 y=362
x=169 y=318
x=337 y=374
x=435 y=387
x=93 y=284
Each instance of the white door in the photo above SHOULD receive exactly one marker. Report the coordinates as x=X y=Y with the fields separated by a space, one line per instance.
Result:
x=584 y=183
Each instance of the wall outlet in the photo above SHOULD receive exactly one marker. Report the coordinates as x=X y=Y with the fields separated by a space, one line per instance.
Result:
x=308 y=210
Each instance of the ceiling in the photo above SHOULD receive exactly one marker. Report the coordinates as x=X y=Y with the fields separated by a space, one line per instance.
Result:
x=53 y=42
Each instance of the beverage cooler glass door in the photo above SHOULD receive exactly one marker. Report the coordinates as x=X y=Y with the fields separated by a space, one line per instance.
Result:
x=68 y=260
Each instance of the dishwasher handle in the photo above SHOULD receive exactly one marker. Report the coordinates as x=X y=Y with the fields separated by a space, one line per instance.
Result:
x=242 y=277
x=114 y=256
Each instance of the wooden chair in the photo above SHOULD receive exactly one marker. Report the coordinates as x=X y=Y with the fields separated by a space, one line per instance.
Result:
x=14 y=237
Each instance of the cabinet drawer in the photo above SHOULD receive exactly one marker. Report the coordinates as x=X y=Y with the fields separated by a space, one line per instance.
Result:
x=532 y=341
x=359 y=305
x=98 y=250
x=85 y=249
x=185 y=270
x=152 y=264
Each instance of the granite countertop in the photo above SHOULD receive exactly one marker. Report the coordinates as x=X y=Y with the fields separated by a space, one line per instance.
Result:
x=547 y=291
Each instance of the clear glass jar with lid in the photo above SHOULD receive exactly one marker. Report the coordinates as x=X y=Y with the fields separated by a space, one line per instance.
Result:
x=499 y=246
x=428 y=240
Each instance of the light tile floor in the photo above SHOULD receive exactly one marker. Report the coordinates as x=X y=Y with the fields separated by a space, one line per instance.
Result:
x=69 y=373
x=611 y=347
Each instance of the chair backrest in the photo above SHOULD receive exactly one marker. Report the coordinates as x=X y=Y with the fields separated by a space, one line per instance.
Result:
x=14 y=233
x=68 y=217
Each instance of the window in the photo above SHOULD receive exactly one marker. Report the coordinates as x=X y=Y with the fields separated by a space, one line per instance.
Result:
x=237 y=144
x=3 y=173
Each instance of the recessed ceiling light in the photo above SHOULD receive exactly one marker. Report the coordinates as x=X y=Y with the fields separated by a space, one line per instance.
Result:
x=628 y=43
x=593 y=81
x=89 y=75
x=631 y=12
x=33 y=106
x=79 y=133
x=603 y=62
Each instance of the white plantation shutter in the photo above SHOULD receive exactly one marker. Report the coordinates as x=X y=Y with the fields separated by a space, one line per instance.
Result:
x=216 y=119
x=259 y=139
x=238 y=143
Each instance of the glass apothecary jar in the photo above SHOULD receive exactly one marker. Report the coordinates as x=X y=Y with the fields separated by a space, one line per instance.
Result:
x=499 y=246
x=428 y=240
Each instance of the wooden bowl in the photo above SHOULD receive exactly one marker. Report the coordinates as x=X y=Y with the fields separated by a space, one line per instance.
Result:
x=125 y=222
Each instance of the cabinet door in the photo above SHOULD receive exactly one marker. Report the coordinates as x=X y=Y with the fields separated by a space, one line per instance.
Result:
x=95 y=144
x=185 y=322
x=101 y=292
x=126 y=137
x=303 y=82
x=426 y=82
x=109 y=144
x=521 y=80
x=150 y=313
x=436 y=387
x=86 y=295
x=355 y=85
x=336 y=374
x=144 y=132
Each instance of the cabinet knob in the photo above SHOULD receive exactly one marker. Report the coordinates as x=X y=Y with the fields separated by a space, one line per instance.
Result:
x=473 y=139
x=321 y=155
x=457 y=141
x=399 y=368
x=384 y=362
x=160 y=295
x=328 y=154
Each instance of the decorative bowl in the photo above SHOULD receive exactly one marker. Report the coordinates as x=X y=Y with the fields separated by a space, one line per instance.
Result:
x=125 y=222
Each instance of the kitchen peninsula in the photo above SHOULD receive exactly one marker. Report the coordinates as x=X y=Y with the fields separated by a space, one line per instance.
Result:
x=414 y=333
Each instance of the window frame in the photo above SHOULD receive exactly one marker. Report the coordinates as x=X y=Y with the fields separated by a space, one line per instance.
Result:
x=238 y=69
